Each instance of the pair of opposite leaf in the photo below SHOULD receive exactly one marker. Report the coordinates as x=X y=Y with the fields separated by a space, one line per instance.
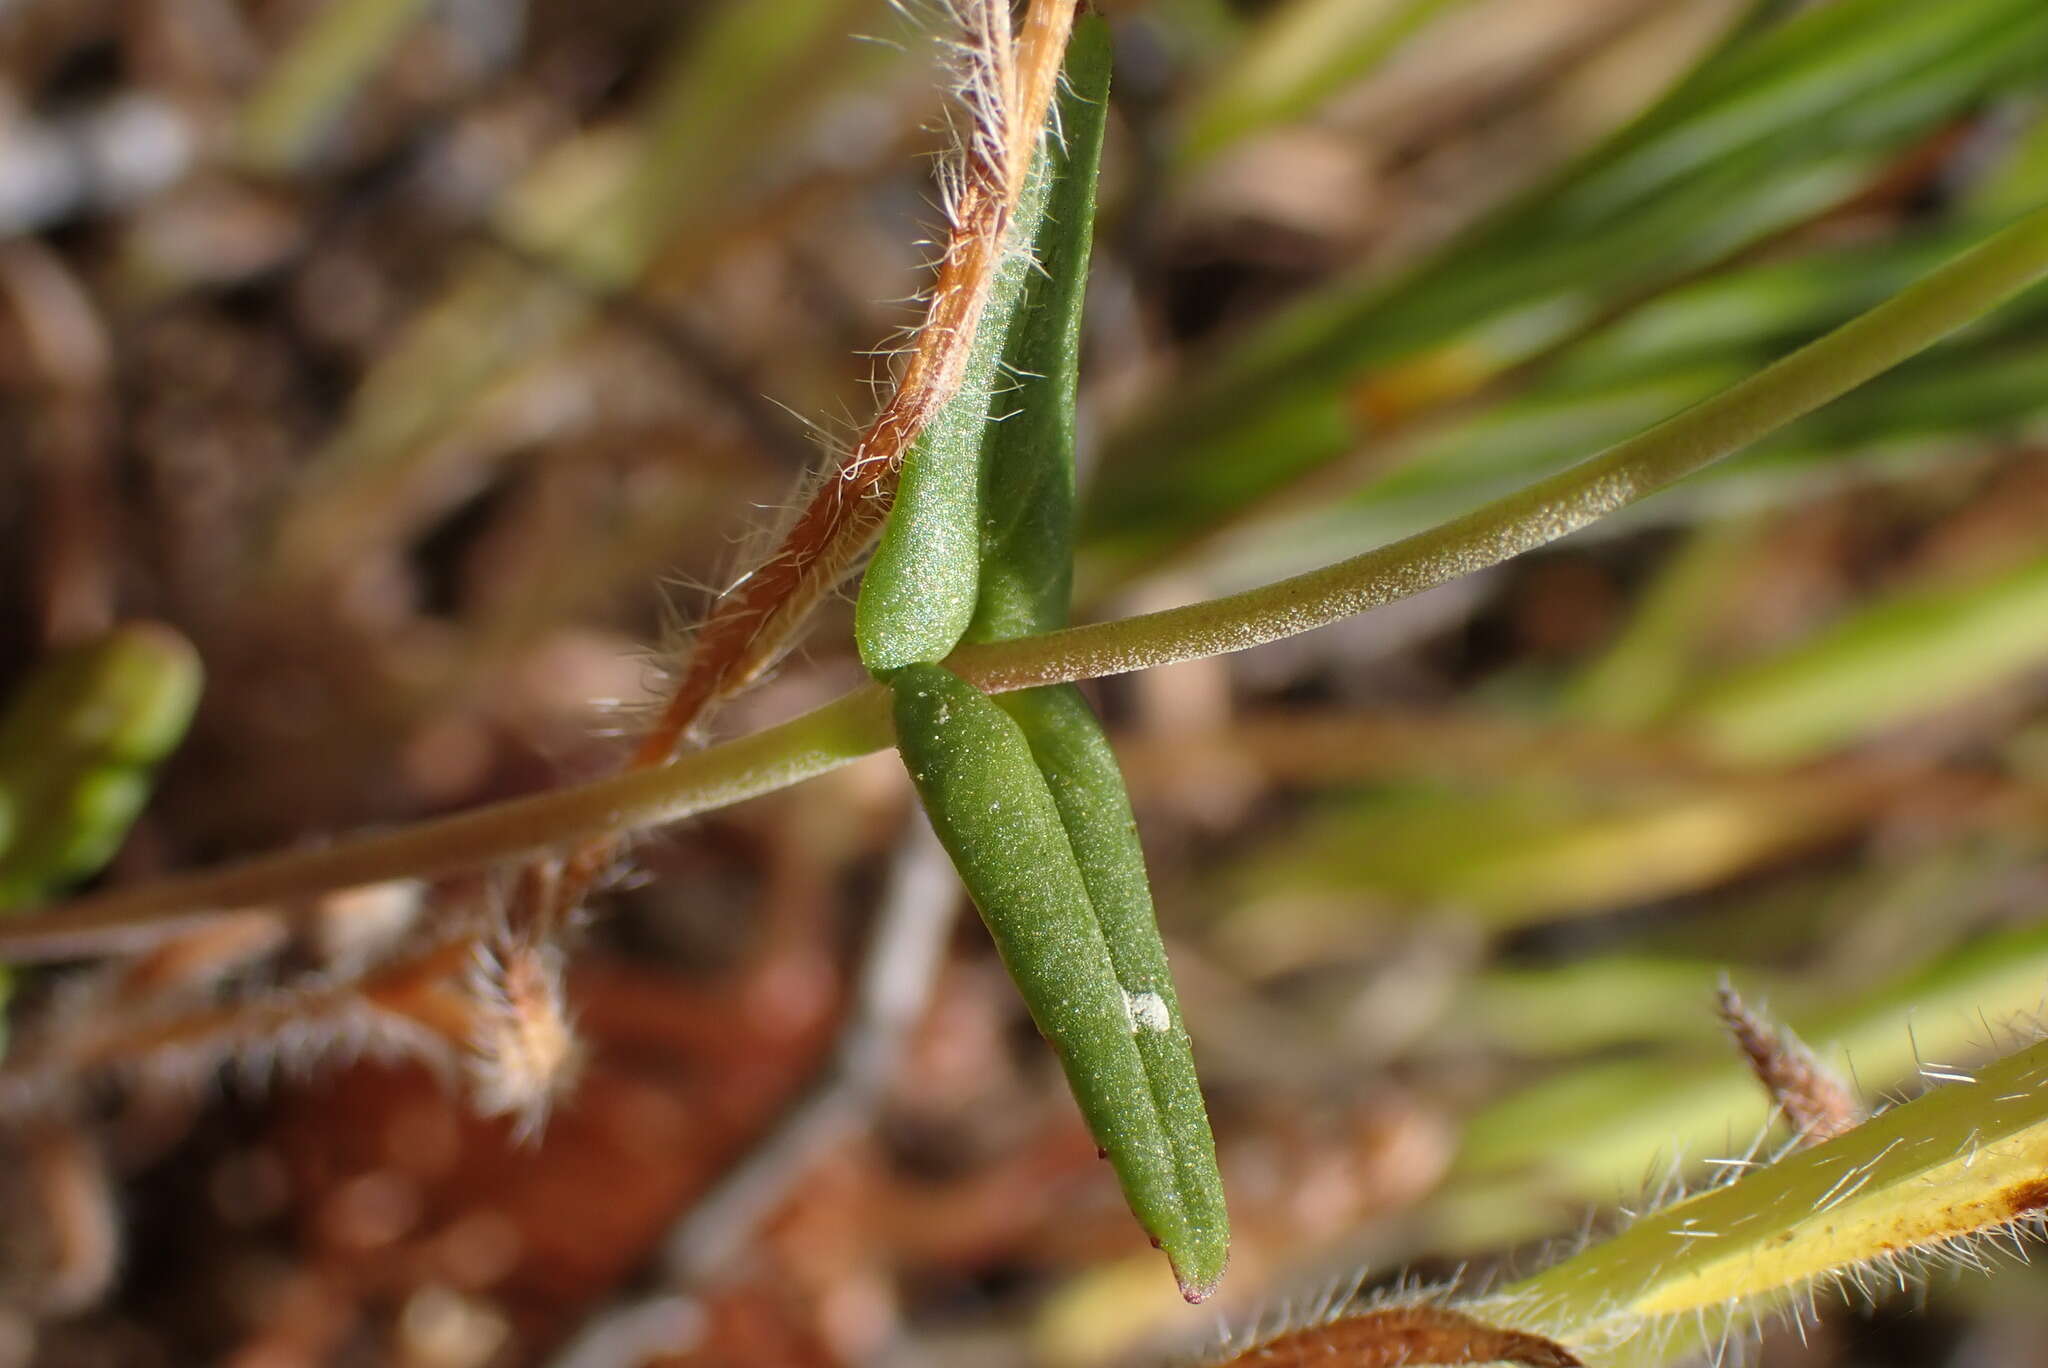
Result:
x=1023 y=789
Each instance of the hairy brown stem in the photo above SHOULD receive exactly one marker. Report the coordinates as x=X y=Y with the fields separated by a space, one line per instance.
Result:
x=406 y=1001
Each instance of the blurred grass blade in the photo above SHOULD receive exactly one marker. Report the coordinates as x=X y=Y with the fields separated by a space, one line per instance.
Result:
x=595 y=209
x=1513 y=854
x=303 y=91
x=1300 y=54
x=1974 y=390
x=78 y=742
x=1888 y=662
x=1763 y=136
x=1654 y=659
x=992 y=809
x=741 y=77
x=1602 y=1002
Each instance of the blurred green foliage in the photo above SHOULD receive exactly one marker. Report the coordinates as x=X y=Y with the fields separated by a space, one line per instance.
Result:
x=1782 y=123
x=80 y=741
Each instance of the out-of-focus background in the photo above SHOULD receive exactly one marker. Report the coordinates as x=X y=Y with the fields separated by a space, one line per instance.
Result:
x=423 y=363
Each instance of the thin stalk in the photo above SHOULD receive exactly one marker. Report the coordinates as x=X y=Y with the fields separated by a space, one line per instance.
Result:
x=134 y=919
x=1922 y=314
x=1945 y=300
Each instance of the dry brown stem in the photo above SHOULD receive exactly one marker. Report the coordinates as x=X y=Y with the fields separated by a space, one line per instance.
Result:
x=68 y=436
x=186 y=1045
x=423 y=1003
x=79 y=1215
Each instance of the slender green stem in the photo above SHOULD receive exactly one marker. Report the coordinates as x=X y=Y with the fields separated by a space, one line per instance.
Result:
x=1918 y=317
x=1910 y=321
x=774 y=758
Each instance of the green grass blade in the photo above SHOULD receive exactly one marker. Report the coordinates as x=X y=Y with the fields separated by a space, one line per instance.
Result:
x=1977 y=388
x=1300 y=55
x=734 y=81
x=1511 y=854
x=1652 y=661
x=309 y=84
x=1590 y=1133
x=1895 y=659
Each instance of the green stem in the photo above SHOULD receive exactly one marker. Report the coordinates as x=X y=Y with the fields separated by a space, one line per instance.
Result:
x=1916 y=318
x=133 y=918
x=1910 y=321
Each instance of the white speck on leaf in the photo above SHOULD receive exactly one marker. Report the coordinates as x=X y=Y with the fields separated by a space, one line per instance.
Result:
x=1147 y=1011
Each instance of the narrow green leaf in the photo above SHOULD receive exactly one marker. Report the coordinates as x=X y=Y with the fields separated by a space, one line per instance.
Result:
x=1027 y=534
x=77 y=744
x=919 y=592
x=1087 y=788
x=736 y=79
x=1054 y=748
x=310 y=83
x=1513 y=853
x=1586 y=1133
x=1008 y=835
x=1961 y=397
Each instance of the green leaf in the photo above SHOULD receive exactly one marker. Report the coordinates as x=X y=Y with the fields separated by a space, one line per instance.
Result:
x=1095 y=983
x=1583 y=1134
x=1087 y=788
x=1652 y=661
x=921 y=586
x=1025 y=791
x=1964 y=395
x=77 y=744
x=979 y=541
x=312 y=81
x=1027 y=458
